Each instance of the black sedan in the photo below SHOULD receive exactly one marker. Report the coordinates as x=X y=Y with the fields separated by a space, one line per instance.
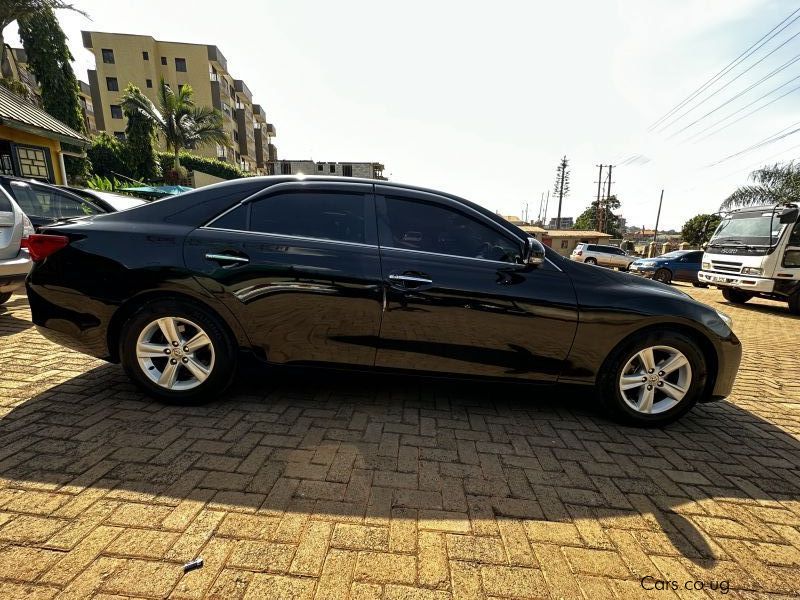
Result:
x=354 y=273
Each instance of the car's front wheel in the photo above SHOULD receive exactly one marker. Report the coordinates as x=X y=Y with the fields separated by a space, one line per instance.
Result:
x=654 y=379
x=735 y=296
x=663 y=275
x=179 y=352
x=591 y=261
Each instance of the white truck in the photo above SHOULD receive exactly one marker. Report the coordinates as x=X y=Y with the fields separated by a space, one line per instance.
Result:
x=755 y=251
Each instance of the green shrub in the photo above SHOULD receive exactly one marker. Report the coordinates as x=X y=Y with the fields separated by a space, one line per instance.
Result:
x=214 y=167
x=107 y=155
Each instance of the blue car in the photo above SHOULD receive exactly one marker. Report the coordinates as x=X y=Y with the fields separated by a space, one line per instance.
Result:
x=681 y=265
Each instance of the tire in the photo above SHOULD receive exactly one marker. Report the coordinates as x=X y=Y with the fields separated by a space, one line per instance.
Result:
x=4 y=297
x=663 y=275
x=735 y=296
x=699 y=284
x=198 y=375
x=664 y=409
x=591 y=261
x=794 y=303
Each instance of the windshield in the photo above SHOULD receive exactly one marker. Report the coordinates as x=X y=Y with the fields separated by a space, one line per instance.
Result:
x=748 y=229
x=676 y=254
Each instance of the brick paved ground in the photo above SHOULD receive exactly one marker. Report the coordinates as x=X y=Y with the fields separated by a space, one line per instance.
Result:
x=350 y=486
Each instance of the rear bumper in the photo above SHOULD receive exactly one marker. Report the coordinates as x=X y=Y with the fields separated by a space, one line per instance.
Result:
x=13 y=271
x=742 y=282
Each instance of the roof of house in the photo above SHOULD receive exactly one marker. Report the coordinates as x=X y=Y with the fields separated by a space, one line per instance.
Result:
x=532 y=229
x=19 y=114
x=576 y=233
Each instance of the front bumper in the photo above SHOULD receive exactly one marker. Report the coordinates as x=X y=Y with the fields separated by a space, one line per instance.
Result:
x=729 y=355
x=643 y=271
x=743 y=282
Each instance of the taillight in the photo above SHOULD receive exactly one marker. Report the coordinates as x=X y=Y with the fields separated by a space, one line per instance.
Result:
x=579 y=252
x=40 y=246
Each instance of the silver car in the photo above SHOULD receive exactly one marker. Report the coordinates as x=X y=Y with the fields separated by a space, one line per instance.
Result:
x=14 y=260
x=606 y=256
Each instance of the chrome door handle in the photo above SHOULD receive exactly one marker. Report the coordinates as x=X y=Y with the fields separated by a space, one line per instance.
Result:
x=411 y=279
x=228 y=258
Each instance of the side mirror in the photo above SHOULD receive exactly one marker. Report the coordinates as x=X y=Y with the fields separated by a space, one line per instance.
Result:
x=534 y=252
x=788 y=216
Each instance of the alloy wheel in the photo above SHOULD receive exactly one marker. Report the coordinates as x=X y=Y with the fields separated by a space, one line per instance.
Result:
x=175 y=353
x=655 y=379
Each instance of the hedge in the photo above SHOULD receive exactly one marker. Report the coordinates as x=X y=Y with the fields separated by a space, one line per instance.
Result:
x=217 y=168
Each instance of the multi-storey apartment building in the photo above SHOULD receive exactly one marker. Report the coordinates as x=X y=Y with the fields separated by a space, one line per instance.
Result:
x=368 y=170
x=142 y=60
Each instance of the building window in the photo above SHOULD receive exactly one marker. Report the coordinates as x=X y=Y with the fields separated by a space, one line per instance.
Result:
x=320 y=167
x=32 y=162
x=108 y=56
x=116 y=111
x=111 y=84
x=565 y=243
x=164 y=60
x=180 y=65
x=235 y=136
x=332 y=168
x=145 y=55
x=148 y=82
x=220 y=152
x=347 y=170
x=286 y=168
x=120 y=135
x=180 y=88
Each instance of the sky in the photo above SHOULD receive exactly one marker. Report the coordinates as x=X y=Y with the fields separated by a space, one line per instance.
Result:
x=483 y=99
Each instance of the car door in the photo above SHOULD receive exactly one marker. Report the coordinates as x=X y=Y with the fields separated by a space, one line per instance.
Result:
x=687 y=266
x=298 y=266
x=457 y=299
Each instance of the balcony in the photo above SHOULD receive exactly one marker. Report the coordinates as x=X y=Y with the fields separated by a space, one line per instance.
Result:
x=215 y=56
x=242 y=89
x=271 y=130
x=272 y=152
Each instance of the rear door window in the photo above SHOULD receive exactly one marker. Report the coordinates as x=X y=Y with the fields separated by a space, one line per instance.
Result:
x=322 y=215
x=42 y=201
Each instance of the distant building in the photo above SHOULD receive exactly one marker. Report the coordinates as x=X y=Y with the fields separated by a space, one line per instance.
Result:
x=367 y=170
x=566 y=223
x=142 y=60
x=87 y=108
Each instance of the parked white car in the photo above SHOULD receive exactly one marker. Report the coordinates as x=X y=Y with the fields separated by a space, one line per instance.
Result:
x=14 y=259
x=606 y=256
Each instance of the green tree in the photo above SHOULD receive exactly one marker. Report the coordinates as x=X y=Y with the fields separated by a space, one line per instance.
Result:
x=697 y=230
x=49 y=59
x=179 y=121
x=772 y=184
x=107 y=154
x=13 y=10
x=140 y=137
x=588 y=218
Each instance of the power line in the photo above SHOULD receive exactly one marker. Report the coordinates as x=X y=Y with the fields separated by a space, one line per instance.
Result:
x=775 y=137
x=718 y=90
x=753 y=48
x=744 y=116
x=743 y=92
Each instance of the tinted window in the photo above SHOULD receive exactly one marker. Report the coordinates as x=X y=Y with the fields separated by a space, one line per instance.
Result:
x=794 y=237
x=417 y=225
x=234 y=219
x=5 y=205
x=694 y=257
x=41 y=201
x=591 y=248
x=324 y=215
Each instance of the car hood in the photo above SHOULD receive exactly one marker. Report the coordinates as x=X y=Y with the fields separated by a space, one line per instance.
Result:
x=600 y=276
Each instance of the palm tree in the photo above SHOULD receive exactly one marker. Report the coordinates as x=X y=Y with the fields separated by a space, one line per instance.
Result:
x=772 y=184
x=178 y=121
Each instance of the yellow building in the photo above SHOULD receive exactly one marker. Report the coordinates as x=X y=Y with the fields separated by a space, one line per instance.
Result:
x=142 y=60
x=30 y=140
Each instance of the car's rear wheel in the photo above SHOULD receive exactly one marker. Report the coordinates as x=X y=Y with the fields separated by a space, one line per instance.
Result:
x=699 y=284
x=4 y=297
x=663 y=275
x=179 y=352
x=591 y=261
x=735 y=296
x=654 y=379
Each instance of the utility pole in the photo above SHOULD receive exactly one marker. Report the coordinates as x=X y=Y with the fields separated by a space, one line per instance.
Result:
x=658 y=216
x=541 y=202
x=562 y=186
x=599 y=186
x=604 y=203
x=546 y=204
